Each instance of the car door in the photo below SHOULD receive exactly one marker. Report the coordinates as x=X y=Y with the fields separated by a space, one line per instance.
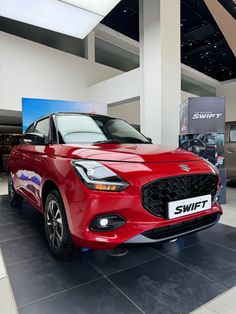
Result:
x=18 y=164
x=230 y=150
x=34 y=162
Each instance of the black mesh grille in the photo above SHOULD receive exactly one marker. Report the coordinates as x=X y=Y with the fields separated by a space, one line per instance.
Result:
x=157 y=194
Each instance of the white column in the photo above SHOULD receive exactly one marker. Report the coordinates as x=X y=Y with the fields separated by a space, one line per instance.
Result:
x=90 y=47
x=161 y=70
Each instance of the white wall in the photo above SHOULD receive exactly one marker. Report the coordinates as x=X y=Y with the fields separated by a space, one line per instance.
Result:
x=28 y=69
x=128 y=111
x=228 y=89
x=122 y=87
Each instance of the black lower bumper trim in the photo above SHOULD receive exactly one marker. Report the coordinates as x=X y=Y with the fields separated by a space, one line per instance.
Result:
x=182 y=228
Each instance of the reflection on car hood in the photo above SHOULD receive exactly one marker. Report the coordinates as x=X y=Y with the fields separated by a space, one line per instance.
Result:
x=126 y=153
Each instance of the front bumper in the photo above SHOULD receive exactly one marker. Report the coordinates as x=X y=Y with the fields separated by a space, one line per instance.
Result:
x=83 y=205
x=175 y=230
x=138 y=233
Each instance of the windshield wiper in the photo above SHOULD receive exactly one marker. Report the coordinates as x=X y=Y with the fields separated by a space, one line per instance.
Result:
x=115 y=141
x=124 y=140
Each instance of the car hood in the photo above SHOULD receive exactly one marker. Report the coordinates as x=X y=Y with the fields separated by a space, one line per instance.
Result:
x=126 y=153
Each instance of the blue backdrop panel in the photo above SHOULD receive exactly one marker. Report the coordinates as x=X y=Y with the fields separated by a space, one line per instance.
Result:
x=33 y=108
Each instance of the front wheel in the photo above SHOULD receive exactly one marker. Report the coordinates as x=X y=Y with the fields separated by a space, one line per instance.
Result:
x=56 y=227
x=14 y=198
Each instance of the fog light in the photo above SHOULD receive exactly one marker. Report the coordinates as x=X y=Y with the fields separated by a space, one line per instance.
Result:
x=106 y=223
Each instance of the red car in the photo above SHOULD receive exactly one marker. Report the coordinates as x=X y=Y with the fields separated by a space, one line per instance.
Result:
x=100 y=183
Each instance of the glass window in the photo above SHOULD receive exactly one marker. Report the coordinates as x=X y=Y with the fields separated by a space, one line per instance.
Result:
x=30 y=129
x=232 y=135
x=79 y=128
x=193 y=86
x=114 y=56
x=43 y=126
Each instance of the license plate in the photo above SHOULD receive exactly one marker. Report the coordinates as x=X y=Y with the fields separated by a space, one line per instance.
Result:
x=188 y=206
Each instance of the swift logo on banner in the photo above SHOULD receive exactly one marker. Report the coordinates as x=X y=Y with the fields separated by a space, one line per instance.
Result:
x=206 y=115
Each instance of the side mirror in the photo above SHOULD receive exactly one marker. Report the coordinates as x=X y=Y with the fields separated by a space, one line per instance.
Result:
x=34 y=138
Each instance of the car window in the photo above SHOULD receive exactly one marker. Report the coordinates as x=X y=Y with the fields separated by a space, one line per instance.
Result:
x=77 y=128
x=232 y=134
x=43 y=127
x=30 y=129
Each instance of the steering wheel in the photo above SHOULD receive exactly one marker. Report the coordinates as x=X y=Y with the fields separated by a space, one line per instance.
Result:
x=197 y=146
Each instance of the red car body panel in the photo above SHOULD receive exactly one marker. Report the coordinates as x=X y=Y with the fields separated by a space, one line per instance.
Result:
x=138 y=164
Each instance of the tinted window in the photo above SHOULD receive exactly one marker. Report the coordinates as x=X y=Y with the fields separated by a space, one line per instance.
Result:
x=43 y=127
x=232 y=135
x=79 y=128
x=30 y=129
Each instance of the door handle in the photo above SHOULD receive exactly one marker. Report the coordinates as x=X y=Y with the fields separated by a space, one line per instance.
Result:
x=229 y=151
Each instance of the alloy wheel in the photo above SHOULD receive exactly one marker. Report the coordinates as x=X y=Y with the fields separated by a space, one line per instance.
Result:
x=54 y=224
x=10 y=188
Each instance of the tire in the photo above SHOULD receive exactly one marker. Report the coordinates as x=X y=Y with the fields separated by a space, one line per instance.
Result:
x=56 y=228
x=14 y=198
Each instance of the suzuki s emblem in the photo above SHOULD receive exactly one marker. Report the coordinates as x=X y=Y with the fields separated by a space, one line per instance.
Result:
x=184 y=167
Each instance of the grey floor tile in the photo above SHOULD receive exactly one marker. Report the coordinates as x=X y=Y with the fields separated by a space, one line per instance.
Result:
x=228 y=240
x=216 y=230
x=163 y=286
x=179 y=244
x=10 y=232
x=213 y=261
x=38 y=278
x=98 y=297
x=109 y=264
x=11 y=218
x=23 y=248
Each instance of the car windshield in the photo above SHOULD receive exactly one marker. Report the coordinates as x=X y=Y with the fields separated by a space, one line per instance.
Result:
x=78 y=128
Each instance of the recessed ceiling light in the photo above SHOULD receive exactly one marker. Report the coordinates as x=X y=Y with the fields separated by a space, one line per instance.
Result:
x=215 y=46
x=101 y=7
x=53 y=14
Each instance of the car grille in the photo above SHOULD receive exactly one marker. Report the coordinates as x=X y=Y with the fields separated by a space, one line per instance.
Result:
x=157 y=194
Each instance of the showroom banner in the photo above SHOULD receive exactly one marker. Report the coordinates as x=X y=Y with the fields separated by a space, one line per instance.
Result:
x=33 y=108
x=202 y=128
x=202 y=115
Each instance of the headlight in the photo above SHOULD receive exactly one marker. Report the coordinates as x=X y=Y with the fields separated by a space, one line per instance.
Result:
x=98 y=177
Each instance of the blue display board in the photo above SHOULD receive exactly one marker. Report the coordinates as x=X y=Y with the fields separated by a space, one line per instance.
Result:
x=33 y=108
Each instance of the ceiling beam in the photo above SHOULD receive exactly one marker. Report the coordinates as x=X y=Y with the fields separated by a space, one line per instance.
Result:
x=225 y=21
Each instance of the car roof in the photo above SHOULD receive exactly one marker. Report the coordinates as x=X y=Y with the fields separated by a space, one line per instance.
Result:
x=71 y=113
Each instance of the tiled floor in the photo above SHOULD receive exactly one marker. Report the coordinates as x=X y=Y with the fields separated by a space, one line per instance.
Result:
x=177 y=277
x=7 y=301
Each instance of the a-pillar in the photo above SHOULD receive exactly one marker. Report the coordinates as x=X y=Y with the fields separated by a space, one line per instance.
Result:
x=161 y=70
